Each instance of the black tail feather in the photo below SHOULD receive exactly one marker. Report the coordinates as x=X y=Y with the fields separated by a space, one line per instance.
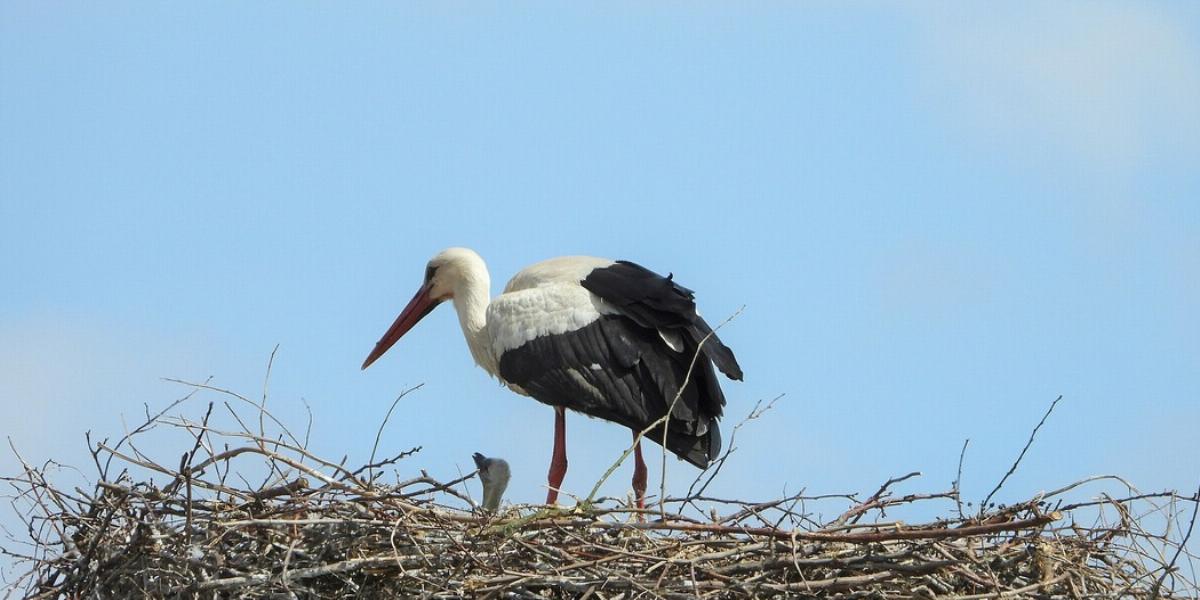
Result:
x=715 y=350
x=698 y=450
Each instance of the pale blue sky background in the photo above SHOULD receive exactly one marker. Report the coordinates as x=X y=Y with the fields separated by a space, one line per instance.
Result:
x=938 y=219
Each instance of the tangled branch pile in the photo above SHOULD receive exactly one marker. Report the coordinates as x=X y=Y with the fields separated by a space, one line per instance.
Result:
x=318 y=529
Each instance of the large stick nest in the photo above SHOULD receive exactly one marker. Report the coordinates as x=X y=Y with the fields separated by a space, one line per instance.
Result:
x=315 y=528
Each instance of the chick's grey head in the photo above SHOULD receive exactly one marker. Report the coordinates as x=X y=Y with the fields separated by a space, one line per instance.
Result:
x=494 y=474
x=492 y=469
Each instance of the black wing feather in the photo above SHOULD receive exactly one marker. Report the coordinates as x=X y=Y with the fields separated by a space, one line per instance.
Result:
x=634 y=386
x=637 y=376
x=657 y=302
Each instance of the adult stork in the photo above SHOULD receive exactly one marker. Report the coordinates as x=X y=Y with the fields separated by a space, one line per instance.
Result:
x=609 y=339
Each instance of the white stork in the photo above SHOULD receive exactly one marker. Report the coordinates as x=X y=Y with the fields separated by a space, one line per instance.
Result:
x=609 y=339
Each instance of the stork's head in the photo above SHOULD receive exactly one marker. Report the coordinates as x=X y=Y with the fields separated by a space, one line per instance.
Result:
x=451 y=271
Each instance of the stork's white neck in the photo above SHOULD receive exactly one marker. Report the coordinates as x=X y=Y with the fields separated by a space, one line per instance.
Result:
x=472 y=294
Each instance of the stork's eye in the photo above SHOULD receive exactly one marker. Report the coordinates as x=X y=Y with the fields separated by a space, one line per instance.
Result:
x=429 y=271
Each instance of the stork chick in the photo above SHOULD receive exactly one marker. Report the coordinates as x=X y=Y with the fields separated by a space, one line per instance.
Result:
x=494 y=474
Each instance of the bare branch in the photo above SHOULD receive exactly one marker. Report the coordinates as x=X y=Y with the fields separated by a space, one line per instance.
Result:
x=1013 y=468
x=371 y=466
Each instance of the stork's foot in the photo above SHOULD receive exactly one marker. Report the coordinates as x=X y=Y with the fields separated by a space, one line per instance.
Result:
x=552 y=494
x=558 y=471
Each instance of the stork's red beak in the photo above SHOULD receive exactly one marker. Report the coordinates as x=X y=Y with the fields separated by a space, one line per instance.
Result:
x=420 y=305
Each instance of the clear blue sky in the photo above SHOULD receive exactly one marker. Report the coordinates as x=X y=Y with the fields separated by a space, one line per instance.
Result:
x=938 y=219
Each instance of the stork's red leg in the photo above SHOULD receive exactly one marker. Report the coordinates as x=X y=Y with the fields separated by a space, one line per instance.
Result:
x=558 y=461
x=639 y=473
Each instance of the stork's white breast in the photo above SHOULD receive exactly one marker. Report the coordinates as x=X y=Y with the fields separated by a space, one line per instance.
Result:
x=517 y=317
